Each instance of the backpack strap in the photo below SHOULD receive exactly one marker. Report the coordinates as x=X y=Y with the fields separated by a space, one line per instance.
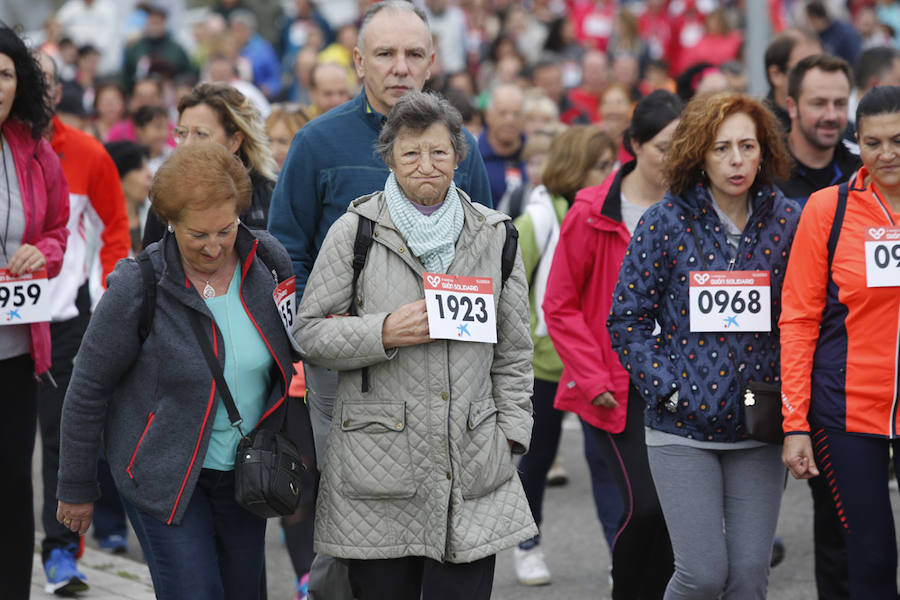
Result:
x=148 y=306
x=508 y=258
x=365 y=229
x=839 y=210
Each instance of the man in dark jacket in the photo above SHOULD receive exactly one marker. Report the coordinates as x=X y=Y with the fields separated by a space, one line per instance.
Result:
x=817 y=101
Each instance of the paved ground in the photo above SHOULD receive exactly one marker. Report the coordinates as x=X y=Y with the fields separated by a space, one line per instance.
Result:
x=576 y=552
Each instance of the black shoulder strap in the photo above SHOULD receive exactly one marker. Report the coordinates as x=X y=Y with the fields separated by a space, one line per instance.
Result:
x=364 y=231
x=508 y=257
x=839 y=210
x=148 y=306
x=233 y=414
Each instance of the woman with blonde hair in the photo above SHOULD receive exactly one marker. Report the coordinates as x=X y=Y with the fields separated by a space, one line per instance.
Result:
x=282 y=123
x=220 y=113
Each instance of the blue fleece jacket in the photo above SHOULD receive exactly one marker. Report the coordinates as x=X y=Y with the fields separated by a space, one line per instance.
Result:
x=332 y=162
x=653 y=288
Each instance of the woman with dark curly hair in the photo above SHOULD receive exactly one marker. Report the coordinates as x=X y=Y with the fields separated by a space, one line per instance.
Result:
x=705 y=266
x=34 y=209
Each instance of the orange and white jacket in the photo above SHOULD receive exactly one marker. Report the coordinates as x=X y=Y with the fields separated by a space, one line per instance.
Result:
x=840 y=340
x=96 y=204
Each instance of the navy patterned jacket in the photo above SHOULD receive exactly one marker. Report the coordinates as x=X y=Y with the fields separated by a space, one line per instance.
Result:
x=653 y=288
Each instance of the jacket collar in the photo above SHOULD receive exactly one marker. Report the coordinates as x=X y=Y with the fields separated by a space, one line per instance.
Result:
x=697 y=202
x=469 y=246
x=173 y=277
x=606 y=199
x=370 y=116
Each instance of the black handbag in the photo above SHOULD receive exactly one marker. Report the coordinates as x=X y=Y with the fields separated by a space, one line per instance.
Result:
x=268 y=469
x=762 y=412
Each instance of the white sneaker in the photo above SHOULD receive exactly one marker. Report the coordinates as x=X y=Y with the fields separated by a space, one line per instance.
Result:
x=531 y=569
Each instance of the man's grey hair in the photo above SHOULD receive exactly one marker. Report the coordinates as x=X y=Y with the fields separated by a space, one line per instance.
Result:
x=244 y=17
x=417 y=111
x=393 y=6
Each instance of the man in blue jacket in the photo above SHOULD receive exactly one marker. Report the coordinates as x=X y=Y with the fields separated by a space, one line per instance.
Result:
x=332 y=161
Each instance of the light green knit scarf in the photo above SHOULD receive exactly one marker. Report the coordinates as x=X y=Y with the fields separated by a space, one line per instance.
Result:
x=433 y=238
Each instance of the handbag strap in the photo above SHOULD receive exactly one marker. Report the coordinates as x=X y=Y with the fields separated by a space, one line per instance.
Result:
x=233 y=414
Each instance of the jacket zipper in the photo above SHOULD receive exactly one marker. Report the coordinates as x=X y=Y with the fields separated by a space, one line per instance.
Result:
x=244 y=269
x=138 y=447
x=209 y=405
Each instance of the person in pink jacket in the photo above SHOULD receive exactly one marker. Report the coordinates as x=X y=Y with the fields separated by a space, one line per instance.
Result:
x=594 y=385
x=34 y=209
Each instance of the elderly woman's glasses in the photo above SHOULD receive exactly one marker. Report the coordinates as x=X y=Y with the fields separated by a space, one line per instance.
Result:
x=183 y=134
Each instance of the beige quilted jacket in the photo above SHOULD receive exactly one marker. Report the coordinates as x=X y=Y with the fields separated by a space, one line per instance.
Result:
x=419 y=465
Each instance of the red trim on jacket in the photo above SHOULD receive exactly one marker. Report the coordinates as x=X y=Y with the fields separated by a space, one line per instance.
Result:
x=209 y=405
x=138 y=446
x=244 y=269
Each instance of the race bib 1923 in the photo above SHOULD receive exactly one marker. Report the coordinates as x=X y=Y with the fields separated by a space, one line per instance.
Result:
x=883 y=256
x=24 y=298
x=460 y=308
x=732 y=301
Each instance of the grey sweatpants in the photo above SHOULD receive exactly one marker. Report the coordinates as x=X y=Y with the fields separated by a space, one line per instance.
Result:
x=721 y=508
x=328 y=577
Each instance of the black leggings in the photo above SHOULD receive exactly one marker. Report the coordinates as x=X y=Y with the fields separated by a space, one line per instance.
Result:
x=17 y=429
x=642 y=554
x=855 y=468
x=416 y=577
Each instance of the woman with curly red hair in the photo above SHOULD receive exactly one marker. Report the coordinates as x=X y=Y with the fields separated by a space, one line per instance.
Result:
x=722 y=223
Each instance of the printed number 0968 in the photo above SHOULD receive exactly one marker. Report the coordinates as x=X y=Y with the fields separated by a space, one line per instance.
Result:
x=723 y=300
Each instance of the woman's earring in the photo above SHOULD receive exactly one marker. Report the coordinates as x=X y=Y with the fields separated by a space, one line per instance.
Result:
x=171 y=228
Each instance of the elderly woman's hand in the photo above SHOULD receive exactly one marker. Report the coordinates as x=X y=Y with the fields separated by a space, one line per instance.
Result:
x=797 y=456
x=26 y=260
x=77 y=517
x=406 y=326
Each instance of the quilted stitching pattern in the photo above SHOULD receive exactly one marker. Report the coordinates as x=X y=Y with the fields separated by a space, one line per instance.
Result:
x=434 y=485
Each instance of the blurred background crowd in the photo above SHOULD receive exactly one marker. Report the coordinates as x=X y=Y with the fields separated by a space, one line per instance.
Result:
x=125 y=64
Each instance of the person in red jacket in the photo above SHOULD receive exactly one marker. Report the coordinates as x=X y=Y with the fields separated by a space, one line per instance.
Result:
x=840 y=326
x=34 y=208
x=592 y=242
x=99 y=237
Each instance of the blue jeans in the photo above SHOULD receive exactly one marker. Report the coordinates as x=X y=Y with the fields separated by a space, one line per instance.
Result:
x=218 y=550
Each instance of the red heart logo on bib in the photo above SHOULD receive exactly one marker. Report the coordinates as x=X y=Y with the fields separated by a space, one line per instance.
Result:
x=876 y=233
x=434 y=280
x=701 y=278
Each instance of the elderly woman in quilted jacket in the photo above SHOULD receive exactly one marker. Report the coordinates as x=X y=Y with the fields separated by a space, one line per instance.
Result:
x=418 y=488
x=694 y=319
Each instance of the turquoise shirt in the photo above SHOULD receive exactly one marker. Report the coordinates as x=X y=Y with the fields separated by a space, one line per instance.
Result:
x=248 y=372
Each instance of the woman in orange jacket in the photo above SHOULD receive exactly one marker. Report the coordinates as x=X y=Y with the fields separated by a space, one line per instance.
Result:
x=840 y=334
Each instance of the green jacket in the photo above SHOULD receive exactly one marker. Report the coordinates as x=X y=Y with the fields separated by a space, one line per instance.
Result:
x=546 y=363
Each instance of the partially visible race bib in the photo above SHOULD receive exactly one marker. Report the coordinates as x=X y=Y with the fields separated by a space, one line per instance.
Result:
x=883 y=256
x=460 y=308
x=730 y=301
x=24 y=299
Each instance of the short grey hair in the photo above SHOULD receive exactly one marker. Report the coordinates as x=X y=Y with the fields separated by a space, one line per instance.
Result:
x=417 y=111
x=393 y=6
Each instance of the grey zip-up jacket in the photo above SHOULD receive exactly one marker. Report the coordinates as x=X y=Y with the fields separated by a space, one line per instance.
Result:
x=418 y=465
x=154 y=403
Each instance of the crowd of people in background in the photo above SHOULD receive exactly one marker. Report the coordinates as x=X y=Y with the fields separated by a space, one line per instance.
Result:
x=618 y=136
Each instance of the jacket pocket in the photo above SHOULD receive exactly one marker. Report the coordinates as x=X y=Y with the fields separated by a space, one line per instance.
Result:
x=485 y=456
x=373 y=450
x=137 y=447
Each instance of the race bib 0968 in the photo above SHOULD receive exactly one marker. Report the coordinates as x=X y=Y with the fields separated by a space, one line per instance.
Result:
x=730 y=301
